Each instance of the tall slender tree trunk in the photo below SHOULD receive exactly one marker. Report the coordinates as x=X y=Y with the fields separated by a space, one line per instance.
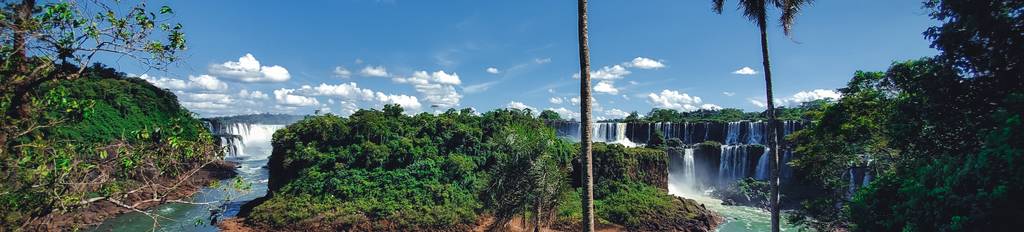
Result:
x=585 y=127
x=773 y=136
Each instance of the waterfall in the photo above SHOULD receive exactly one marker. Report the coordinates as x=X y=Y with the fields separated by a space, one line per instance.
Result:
x=236 y=137
x=867 y=179
x=787 y=171
x=689 y=173
x=567 y=129
x=763 y=165
x=612 y=133
x=732 y=133
x=755 y=132
x=733 y=163
x=687 y=138
x=682 y=175
x=707 y=128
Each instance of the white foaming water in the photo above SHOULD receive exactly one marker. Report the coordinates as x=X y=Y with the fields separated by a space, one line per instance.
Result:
x=761 y=173
x=732 y=163
x=737 y=218
x=754 y=131
x=732 y=133
x=250 y=136
x=612 y=133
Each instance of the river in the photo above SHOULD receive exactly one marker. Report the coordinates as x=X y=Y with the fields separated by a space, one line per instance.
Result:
x=188 y=217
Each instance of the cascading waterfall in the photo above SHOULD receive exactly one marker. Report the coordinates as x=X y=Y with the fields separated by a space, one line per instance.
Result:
x=733 y=163
x=689 y=172
x=682 y=172
x=612 y=133
x=763 y=163
x=732 y=133
x=754 y=132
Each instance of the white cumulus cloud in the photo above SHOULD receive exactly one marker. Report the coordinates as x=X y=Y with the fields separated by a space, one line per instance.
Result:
x=817 y=94
x=287 y=98
x=710 y=107
x=351 y=92
x=671 y=99
x=342 y=72
x=645 y=63
x=745 y=71
x=556 y=100
x=207 y=83
x=202 y=83
x=374 y=71
x=255 y=94
x=248 y=69
x=607 y=73
x=566 y=113
x=517 y=105
x=493 y=70
x=730 y=94
x=437 y=88
x=606 y=87
x=616 y=113
x=759 y=104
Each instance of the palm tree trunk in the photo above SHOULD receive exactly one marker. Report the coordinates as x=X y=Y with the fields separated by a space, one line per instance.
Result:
x=773 y=136
x=585 y=127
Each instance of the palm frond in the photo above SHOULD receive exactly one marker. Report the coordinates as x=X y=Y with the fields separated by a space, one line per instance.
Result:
x=790 y=8
x=717 y=5
x=755 y=11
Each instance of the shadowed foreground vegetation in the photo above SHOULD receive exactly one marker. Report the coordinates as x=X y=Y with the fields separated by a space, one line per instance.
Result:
x=109 y=136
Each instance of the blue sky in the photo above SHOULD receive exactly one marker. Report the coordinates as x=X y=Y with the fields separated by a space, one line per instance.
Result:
x=433 y=55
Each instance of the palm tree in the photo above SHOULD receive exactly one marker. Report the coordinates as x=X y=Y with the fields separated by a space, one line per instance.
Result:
x=585 y=127
x=757 y=11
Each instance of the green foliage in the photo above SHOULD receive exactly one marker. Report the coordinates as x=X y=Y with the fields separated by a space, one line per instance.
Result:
x=122 y=128
x=657 y=140
x=943 y=134
x=120 y=106
x=748 y=191
x=614 y=163
x=440 y=171
x=973 y=191
x=422 y=170
x=633 y=204
x=550 y=115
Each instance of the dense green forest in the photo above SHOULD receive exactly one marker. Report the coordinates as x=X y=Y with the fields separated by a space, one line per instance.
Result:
x=386 y=170
x=942 y=134
x=115 y=134
x=80 y=142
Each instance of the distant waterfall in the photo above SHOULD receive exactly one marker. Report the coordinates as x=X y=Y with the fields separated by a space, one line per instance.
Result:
x=763 y=167
x=732 y=133
x=733 y=163
x=755 y=132
x=689 y=171
x=236 y=136
x=740 y=155
x=682 y=175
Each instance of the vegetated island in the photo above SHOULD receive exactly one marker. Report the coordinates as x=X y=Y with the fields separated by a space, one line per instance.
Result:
x=456 y=171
